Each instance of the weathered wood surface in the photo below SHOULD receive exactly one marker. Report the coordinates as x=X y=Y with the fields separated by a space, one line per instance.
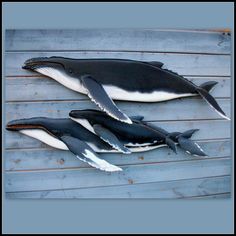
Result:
x=34 y=170
x=112 y=40
x=170 y=189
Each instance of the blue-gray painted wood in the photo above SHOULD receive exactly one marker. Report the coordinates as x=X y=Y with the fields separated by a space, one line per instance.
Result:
x=30 y=89
x=184 y=64
x=34 y=170
x=180 y=109
x=118 y=39
x=213 y=196
x=162 y=190
x=90 y=177
x=49 y=158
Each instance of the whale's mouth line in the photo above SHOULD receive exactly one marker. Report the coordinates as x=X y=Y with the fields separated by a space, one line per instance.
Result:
x=35 y=63
x=22 y=126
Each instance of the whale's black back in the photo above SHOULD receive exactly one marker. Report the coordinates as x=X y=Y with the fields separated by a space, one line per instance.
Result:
x=130 y=75
x=128 y=133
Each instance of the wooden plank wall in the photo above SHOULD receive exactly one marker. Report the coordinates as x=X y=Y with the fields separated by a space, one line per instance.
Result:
x=34 y=170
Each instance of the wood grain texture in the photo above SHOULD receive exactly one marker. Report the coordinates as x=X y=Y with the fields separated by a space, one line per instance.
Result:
x=208 y=187
x=180 y=109
x=118 y=39
x=34 y=170
x=91 y=177
x=48 y=158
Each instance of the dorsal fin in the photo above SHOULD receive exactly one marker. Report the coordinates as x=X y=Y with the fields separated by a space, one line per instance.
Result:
x=155 y=63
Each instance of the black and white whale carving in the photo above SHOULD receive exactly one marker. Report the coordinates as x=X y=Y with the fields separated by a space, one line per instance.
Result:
x=66 y=134
x=136 y=137
x=120 y=79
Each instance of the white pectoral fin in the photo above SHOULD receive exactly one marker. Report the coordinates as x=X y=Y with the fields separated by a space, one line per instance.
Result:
x=110 y=138
x=99 y=96
x=85 y=153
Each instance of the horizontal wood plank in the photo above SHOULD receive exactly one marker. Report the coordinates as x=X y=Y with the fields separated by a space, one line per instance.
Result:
x=32 y=89
x=184 y=64
x=49 y=158
x=202 y=187
x=179 y=109
x=91 y=177
x=118 y=39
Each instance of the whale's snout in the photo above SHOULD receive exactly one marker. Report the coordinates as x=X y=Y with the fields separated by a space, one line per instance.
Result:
x=39 y=62
x=34 y=62
x=74 y=114
x=20 y=124
x=14 y=125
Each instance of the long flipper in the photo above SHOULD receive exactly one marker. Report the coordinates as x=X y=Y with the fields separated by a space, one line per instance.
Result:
x=110 y=138
x=86 y=154
x=98 y=95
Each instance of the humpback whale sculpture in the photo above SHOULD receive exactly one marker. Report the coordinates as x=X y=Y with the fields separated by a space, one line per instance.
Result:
x=65 y=134
x=136 y=137
x=119 y=79
x=95 y=131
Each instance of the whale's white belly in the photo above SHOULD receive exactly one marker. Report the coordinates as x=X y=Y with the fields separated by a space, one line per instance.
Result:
x=156 y=96
x=132 y=149
x=44 y=137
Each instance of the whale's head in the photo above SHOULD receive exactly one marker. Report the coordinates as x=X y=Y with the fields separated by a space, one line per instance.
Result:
x=57 y=63
x=88 y=117
x=44 y=129
x=23 y=124
x=60 y=69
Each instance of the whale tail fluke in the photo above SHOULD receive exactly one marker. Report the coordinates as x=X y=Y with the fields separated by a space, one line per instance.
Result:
x=184 y=142
x=190 y=146
x=209 y=99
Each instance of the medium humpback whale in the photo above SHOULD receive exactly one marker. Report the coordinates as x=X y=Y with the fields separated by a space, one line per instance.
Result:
x=120 y=79
x=138 y=136
x=66 y=134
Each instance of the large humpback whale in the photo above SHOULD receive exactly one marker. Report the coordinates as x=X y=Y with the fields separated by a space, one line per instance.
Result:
x=66 y=134
x=138 y=136
x=120 y=79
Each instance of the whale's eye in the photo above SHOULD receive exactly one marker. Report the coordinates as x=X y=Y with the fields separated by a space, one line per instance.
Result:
x=70 y=70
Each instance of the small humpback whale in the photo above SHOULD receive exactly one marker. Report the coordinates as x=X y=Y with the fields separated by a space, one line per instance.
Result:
x=121 y=79
x=66 y=134
x=136 y=137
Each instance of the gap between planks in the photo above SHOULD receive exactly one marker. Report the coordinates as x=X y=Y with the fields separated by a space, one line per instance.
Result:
x=117 y=51
x=87 y=99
